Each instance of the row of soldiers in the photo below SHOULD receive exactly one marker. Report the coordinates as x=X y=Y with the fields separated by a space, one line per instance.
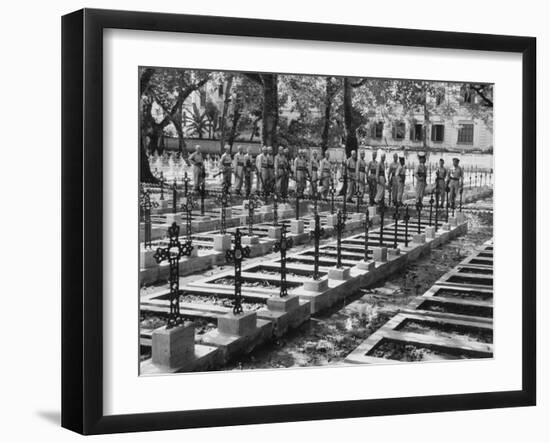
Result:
x=360 y=178
x=375 y=178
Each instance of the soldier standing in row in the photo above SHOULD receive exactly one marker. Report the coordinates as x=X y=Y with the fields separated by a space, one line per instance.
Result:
x=420 y=173
x=440 y=183
x=372 y=178
x=381 y=180
x=248 y=168
x=300 y=171
x=455 y=181
x=393 y=180
x=314 y=172
x=361 y=173
x=351 y=167
x=261 y=171
x=225 y=166
x=401 y=175
x=270 y=183
x=281 y=173
x=326 y=174
x=196 y=161
x=238 y=167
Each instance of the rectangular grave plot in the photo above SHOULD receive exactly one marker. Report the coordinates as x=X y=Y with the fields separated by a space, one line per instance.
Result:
x=410 y=352
x=274 y=270
x=471 y=270
x=465 y=279
x=456 y=308
x=479 y=261
x=445 y=330
x=464 y=294
x=258 y=282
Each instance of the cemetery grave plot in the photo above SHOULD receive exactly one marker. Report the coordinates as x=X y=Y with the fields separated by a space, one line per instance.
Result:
x=449 y=321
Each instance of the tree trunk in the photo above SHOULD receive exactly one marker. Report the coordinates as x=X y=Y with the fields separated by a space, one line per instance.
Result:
x=225 y=109
x=145 y=174
x=328 y=108
x=270 y=112
x=351 y=136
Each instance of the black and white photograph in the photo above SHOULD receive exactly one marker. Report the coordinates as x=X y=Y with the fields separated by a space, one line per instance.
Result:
x=293 y=220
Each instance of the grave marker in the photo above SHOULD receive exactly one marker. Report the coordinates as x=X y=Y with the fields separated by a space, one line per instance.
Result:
x=281 y=246
x=236 y=255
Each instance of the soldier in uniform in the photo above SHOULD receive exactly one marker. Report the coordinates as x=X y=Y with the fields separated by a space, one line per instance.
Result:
x=238 y=167
x=361 y=173
x=420 y=173
x=300 y=171
x=225 y=166
x=393 y=180
x=381 y=180
x=279 y=167
x=261 y=170
x=401 y=175
x=440 y=183
x=326 y=173
x=371 y=177
x=286 y=172
x=351 y=167
x=198 y=168
x=455 y=181
x=270 y=170
x=314 y=173
x=248 y=168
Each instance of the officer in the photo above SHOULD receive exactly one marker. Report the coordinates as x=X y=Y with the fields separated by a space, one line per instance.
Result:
x=279 y=166
x=314 y=173
x=300 y=171
x=393 y=180
x=361 y=173
x=270 y=183
x=248 y=168
x=381 y=179
x=326 y=172
x=198 y=168
x=440 y=183
x=371 y=177
x=238 y=167
x=455 y=181
x=401 y=175
x=351 y=167
x=286 y=172
x=261 y=171
x=225 y=166
x=420 y=173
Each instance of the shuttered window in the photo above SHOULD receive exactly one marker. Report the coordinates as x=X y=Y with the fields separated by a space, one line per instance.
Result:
x=398 y=130
x=438 y=133
x=466 y=133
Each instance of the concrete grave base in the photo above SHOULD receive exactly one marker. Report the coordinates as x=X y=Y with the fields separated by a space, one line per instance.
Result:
x=274 y=232
x=283 y=321
x=358 y=216
x=394 y=252
x=228 y=212
x=366 y=265
x=281 y=304
x=446 y=227
x=267 y=209
x=146 y=258
x=452 y=222
x=429 y=231
x=460 y=218
x=174 y=218
x=339 y=273
x=373 y=211
x=419 y=238
x=172 y=347
x=237 y=324
x=380 y=254
x=316 y=285
x=332 y=219
x=296 y=226
x=250 y=240
x=222 y=242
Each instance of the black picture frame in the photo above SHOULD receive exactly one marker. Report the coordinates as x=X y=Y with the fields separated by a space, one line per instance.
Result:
x=82 y=220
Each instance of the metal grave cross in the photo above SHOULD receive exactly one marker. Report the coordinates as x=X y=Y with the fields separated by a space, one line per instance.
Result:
x=224 y=200
x=173 y=252
x=431 y=207
x=395 y=223
x=316 y=234
x=282 y=246
x=406 y=217
x=146 y=205
x=236 y=255
x=340 y=225
x=419 y=213
x=367 y=225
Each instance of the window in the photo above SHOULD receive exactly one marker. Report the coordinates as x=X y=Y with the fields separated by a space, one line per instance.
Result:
x=377 y=130
x=468 y=96
x=466 y=133
x=398 y=131
x=220 y=90
x=202 y=93
x=438 y=132
x=416 y=132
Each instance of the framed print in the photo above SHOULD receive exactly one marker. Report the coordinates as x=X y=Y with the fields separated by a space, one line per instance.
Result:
x=269 y=221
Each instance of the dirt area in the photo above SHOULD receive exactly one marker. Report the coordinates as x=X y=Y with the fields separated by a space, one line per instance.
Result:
x=394 y=350
x=446 y=330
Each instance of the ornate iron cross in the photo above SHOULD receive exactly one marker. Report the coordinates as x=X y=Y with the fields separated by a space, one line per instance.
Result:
x=431 y=207
x=253 y=203
x=359 y=198
x=236 y=255
x=186 y=181
x=146 y=204
x=332 y=192
x=297 y=206
x=460 y=201
x=173 y=252
x=381 y=230
x=224 y=201
x=174 y=196
x=437 y=197
x=395 y=222
x=316 y=234
x=419 y=214
x=161 y=185
x=282 y=246
x=367 y=225
x=340 y=225
x=447 y=208
x=275 y=210
x=187 y=207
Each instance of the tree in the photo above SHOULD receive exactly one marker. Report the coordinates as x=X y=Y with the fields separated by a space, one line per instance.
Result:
x=199 y=122
x=270 y=106
x=147 y=125
x=170 y=87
